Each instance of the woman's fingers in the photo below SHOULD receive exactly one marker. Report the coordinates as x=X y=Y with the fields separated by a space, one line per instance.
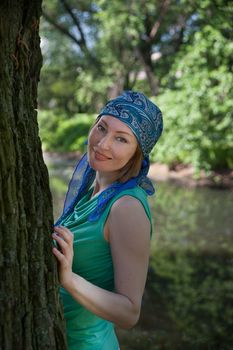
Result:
x=58 y=254
x=64 y=239
x=66 y=234
x=62 y=243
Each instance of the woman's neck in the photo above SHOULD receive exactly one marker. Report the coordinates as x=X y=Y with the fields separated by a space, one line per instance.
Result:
x=103 y=181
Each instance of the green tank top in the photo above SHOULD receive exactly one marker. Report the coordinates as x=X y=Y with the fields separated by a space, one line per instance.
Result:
x=93 y=261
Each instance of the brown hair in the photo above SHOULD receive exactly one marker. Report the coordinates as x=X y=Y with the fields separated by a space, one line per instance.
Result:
x=133 y=167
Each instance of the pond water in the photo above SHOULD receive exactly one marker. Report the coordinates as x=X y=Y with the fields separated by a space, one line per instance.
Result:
x=188 y=301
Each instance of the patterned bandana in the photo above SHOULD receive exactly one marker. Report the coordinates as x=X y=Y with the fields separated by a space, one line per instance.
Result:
x=144 y=118
x=141 y=115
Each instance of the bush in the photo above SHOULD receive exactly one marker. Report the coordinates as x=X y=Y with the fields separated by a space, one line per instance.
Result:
x=64 y=135
x=198 y=106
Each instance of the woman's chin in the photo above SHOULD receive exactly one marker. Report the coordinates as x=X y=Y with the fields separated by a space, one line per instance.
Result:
x=97 y=166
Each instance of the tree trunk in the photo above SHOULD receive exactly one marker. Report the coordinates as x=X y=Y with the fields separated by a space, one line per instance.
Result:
x=30 y=311
x=144 y=56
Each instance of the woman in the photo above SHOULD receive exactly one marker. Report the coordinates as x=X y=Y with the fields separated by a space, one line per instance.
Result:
x=104 y=232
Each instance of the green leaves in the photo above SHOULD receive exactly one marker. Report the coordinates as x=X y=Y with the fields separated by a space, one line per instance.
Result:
x=64 y=135
x=198 y=109
x=191 y=76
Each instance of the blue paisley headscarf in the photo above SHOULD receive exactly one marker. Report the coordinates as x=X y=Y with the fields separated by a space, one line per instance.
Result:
x=144 y=118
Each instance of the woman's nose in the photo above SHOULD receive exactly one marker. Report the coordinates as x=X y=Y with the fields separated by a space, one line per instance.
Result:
x=104 y=142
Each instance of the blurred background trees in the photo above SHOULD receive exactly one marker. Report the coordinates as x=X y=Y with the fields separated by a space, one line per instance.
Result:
x=179 y=53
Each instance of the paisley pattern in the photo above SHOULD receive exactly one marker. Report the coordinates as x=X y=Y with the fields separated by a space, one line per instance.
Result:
x=142 y=116
x=145 y=120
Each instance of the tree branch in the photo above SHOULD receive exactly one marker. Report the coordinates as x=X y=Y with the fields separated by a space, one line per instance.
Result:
x=157 y=24
x=149 y=73
x=88 y=54
x=76 y=22
x=62 y=29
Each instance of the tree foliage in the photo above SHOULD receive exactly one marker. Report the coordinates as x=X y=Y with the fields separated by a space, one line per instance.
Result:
x=198 y=100
x=178 y=52
x=71 y=134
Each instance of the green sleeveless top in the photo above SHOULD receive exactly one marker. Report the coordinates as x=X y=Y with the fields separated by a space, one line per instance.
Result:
x=93 y=261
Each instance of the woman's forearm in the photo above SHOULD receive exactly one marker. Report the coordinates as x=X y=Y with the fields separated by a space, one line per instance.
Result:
x=110 y=306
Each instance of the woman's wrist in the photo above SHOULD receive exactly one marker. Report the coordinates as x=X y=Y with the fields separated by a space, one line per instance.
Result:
x=68 y=282
x=71 y=283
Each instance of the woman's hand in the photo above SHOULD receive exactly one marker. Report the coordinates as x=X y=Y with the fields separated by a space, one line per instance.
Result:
x=64 y=239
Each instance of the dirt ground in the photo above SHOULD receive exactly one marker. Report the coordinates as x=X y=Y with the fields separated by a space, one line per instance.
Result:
x=185 y=175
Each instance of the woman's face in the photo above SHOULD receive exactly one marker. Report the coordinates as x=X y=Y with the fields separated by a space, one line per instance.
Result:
x=111 y=144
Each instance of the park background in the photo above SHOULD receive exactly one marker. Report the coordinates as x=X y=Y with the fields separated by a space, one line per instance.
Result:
x=180 y=54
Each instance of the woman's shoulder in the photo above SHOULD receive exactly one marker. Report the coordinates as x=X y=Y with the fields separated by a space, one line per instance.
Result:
x=128 y=205
x=125 y=201
x=132 y=196
x=135 y=192
x=130 y=200
x=128 y=214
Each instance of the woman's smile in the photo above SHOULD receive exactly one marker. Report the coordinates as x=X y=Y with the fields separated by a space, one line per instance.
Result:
x=99 y=156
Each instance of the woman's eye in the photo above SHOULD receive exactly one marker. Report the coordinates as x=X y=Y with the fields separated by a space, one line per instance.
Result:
x=100 y=127
x=122 y=139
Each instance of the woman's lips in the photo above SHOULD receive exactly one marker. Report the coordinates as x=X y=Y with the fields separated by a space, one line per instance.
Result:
x=100 y=156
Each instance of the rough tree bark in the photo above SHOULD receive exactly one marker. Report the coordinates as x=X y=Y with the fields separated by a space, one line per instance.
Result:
x=30 y=311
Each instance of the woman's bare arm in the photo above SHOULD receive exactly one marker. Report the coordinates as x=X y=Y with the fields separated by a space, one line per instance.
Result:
x=129 y=237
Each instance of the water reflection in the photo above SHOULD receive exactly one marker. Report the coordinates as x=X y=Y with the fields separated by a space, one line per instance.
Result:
x=188 y=302
x=200 y=217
